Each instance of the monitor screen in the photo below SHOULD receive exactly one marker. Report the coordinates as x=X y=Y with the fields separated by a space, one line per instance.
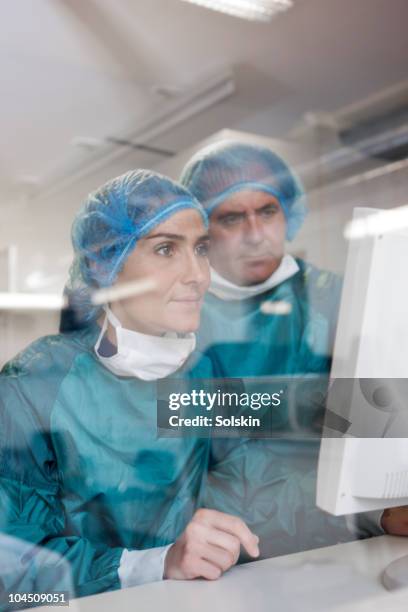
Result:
x=363 y=462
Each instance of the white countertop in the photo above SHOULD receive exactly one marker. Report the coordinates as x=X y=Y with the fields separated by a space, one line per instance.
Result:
x=345 y=578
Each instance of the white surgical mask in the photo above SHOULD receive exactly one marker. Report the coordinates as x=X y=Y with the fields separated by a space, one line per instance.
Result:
x=144 y=356
x=225 y=290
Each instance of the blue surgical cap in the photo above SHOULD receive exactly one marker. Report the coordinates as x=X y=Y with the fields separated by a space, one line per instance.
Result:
x=226 y=167
x=106 y=229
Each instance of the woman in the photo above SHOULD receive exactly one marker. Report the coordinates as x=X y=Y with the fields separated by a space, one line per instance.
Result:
x=82 y=473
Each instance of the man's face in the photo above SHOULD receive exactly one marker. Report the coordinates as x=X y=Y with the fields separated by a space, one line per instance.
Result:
x=247 y=233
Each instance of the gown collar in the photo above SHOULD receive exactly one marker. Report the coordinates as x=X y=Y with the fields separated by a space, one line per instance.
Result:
x=225 y=290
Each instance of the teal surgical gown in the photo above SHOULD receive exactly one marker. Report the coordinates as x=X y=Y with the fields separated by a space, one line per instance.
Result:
x=244 y=341
x=82 y=472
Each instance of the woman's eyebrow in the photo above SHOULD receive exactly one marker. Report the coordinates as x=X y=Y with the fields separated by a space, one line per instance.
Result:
x=166 y=235
x=175 y=236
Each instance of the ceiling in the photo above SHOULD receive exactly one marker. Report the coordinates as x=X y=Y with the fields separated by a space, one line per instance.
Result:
x=94 y=68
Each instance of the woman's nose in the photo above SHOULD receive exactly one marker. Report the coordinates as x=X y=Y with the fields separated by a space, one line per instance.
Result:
x=197 y=269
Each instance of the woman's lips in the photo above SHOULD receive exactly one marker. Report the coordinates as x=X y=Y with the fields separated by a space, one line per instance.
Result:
x=188 y=300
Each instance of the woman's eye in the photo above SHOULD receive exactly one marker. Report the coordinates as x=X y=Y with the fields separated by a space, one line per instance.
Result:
x=203 y=249
x=165 y=249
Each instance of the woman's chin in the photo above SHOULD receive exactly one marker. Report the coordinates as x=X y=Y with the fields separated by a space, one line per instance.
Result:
x=186 y=326
x=184 y=320
x=186 y=329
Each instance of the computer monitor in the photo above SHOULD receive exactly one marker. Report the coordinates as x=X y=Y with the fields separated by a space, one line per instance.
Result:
x=363 y=461
x=363 y=464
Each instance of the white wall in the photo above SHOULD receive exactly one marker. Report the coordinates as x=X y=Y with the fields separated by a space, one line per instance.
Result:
x=331 y=209
x=40 y=229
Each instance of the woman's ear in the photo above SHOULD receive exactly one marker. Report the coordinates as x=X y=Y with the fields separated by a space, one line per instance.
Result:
x=97 y=272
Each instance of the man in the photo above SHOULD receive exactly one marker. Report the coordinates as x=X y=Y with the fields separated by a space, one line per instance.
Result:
x=255 y=202
x=269 y=314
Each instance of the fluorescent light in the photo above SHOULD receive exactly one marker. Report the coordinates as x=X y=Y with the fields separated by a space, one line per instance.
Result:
x=55 y=301
x=254 y=10
x=124 y=290
x=377 y=224
x=31 y=301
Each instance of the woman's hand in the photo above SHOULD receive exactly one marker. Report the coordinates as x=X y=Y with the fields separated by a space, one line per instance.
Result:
x=209 y=546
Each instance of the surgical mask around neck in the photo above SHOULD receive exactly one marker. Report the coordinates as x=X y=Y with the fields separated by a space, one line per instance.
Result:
x=225 y=290
x=144 y=356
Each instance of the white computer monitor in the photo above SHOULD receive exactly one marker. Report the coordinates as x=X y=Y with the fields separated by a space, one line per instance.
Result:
x=363 y=464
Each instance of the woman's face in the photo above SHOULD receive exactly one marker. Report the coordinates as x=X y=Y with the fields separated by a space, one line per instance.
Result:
x=175 y=255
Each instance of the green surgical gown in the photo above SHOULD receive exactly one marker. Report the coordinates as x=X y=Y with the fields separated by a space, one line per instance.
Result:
x=244 y=341
x=82 y=472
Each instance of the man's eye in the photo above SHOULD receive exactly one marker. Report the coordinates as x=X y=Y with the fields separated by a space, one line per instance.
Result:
x=165 y=249
x=230 y=219
x=268 y=212
x=202 y=249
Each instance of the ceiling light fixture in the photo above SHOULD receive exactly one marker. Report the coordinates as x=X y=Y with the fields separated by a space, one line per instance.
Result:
x=254 y=10
x=122 y=291
x=31 y=301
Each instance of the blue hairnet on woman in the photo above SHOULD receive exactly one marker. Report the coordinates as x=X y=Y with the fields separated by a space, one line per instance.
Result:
x=107 y=228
